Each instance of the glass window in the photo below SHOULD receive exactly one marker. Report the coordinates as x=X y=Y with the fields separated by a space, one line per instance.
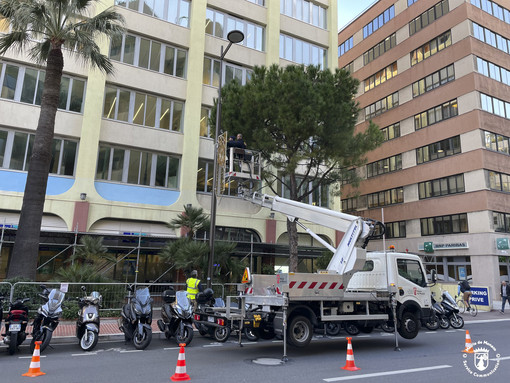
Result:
x=29 y=85
x=10 y=81
x=129 y=49
x=77 y=92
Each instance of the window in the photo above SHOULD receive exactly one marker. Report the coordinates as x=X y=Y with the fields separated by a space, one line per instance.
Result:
x=495 y=106
x=149 y=54
x=381 y=106
x=205 y=113
x=143 y=109
x=385 y=198
x=434 y=80
x=437 y=114
x=305 y=11
x=391 y=132
x=428 y=17
x=381 y=77
x=379 y=21
x=345 y=46
x=493 y=9
x=380 y=48
x=302 y=52
x=499 y=181
x=491 y=38
x=395 y=229
x=318 y=197
x=411 y=2
x=431 y=48
x=385 y=165
x=137 y=167
x=496 y=142
x=24 y=84
x=349 y=204
x=220 y=24
x=437 y=150
x=501 y=222
x=173 y=11
x=349 y=67
x=16 y=149
x=259 y=2
x=412 y=271
x=211 y=75
x=446 y=224
x=493 y=71
x=441 y=186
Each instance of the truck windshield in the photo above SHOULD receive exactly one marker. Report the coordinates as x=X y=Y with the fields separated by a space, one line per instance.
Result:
x=411 y=270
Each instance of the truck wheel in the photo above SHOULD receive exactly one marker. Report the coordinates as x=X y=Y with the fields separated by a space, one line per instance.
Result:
x=351 y=329
x=300 y=331
x=251 y=334
x=366 y=329
x=409 y=326
x=333 y=328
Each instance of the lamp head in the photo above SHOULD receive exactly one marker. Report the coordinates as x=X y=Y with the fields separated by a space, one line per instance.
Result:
x=235 y=36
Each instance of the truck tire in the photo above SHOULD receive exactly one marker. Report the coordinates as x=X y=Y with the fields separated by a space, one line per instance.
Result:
x=300 y=331
x=333 y=328
x=366 y=329
x=351 y=328
x=408 y=326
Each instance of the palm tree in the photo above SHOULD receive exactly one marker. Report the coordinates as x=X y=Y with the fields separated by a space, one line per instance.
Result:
x=191 y=219
x=43 y=28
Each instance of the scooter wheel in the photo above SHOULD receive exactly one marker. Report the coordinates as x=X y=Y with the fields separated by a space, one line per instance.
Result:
x=221 y=334
x=89 y=340
x=13 y=343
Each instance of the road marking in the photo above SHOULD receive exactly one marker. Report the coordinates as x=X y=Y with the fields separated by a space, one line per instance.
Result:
x=451 y=331
x=29 y=357
x=486 y=321
x=363 y=336
x=171 y=348
x=124 y=351
x=387 y=334
x=213 y=345
x=431 y=332
x=502 y=358
x=85 y=353
x=411 y=370
x=277 y=341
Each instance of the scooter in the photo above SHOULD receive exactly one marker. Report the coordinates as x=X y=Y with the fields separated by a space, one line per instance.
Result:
x=452 y=310
x=87 y=324
x=437 y=318
x=136 y=318
x=16 y=324
x=48 y=317
x=177 y=316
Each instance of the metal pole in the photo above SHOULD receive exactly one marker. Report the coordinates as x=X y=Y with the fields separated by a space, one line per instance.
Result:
x=138 y=255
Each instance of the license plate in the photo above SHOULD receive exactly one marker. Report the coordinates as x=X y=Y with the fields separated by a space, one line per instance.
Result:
x=15 y=327
x=210 y=319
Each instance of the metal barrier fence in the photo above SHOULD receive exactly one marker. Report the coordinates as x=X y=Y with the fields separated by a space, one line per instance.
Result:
x=5 y=291
x=114 y=295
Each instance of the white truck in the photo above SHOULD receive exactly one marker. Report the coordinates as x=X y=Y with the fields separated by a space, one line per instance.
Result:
x=358 y=288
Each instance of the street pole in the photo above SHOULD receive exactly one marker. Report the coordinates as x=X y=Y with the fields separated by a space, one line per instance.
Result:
x=233 y=37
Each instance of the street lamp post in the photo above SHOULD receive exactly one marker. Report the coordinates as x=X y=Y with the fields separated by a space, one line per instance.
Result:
x=233 y=37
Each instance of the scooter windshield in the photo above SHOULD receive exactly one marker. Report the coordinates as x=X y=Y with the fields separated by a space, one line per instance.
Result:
x=182 y=299
x=143 y=296
x=55 y=299
x=448 y=298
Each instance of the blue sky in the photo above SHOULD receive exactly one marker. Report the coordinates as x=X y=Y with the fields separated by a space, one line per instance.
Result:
x=349 y=9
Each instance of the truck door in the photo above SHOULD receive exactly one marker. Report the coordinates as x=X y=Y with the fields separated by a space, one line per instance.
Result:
x=412 y=283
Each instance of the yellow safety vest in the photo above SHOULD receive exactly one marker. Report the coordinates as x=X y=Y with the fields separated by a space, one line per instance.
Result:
x=192 y=287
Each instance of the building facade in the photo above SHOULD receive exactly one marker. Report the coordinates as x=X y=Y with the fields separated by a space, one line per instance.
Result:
x=133 y=148
x=434 y=76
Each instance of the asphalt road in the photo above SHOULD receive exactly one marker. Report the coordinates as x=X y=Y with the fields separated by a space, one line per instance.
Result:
x=431 y=357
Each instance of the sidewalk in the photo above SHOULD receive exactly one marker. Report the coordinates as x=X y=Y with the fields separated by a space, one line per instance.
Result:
x=109 y=329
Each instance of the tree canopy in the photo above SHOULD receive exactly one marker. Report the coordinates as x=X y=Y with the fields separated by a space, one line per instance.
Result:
x=302 y=120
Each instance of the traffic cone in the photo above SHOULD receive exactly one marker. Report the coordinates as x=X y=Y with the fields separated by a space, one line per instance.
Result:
x=349 y=365
x=180 y=370
x=469 y=345
x=35 y=364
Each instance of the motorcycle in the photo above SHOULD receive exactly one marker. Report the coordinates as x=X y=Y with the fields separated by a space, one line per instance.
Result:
x=452 y=310
x=177 y=316
x=437 y=318
x=136 y=318
x=16 y=324
x=47 y=317
x=87 y=324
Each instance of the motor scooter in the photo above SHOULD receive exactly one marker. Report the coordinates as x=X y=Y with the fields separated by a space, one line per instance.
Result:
x=136 y=318
x=177 y=316
x=437 y=318
x=47 y=317
x=452 y=310
x=87 y=324
x=16 y=324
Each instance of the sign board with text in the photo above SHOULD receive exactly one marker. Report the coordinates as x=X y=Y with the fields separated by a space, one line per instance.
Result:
x=480 y=296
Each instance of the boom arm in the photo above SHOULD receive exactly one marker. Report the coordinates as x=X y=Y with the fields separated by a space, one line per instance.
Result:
x=357 y=230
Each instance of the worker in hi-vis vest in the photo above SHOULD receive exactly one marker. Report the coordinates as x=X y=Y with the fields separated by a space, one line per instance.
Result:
x=193 y=287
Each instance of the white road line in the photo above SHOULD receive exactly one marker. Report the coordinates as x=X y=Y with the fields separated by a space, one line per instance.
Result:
x=486 y=321
x=30 y=357
x=277 y=341
x=451 y=331
x=431 y=332
x=363 y=336
x=411 y=370
x=213 y=345
x=171 y=348
x=502 y=358
x=85 y=353
x=125 y=351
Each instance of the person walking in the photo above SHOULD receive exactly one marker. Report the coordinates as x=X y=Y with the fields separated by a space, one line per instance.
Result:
x=465 y=289
x=505 y=295
x=193 y=287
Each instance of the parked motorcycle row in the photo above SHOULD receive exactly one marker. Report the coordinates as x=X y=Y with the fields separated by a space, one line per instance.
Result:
x=445 y=313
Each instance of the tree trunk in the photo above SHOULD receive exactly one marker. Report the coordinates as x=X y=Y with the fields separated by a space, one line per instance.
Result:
x=23 y=261
x=293 y=245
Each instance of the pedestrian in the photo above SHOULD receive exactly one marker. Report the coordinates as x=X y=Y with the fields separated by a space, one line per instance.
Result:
x=465 y=289
x=193 y=287
x=505 y=295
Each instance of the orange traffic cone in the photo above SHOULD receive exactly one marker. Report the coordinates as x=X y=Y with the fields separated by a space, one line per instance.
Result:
x=180 y=370
x=469 y=345
x=35 y=364
x=349 y=365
